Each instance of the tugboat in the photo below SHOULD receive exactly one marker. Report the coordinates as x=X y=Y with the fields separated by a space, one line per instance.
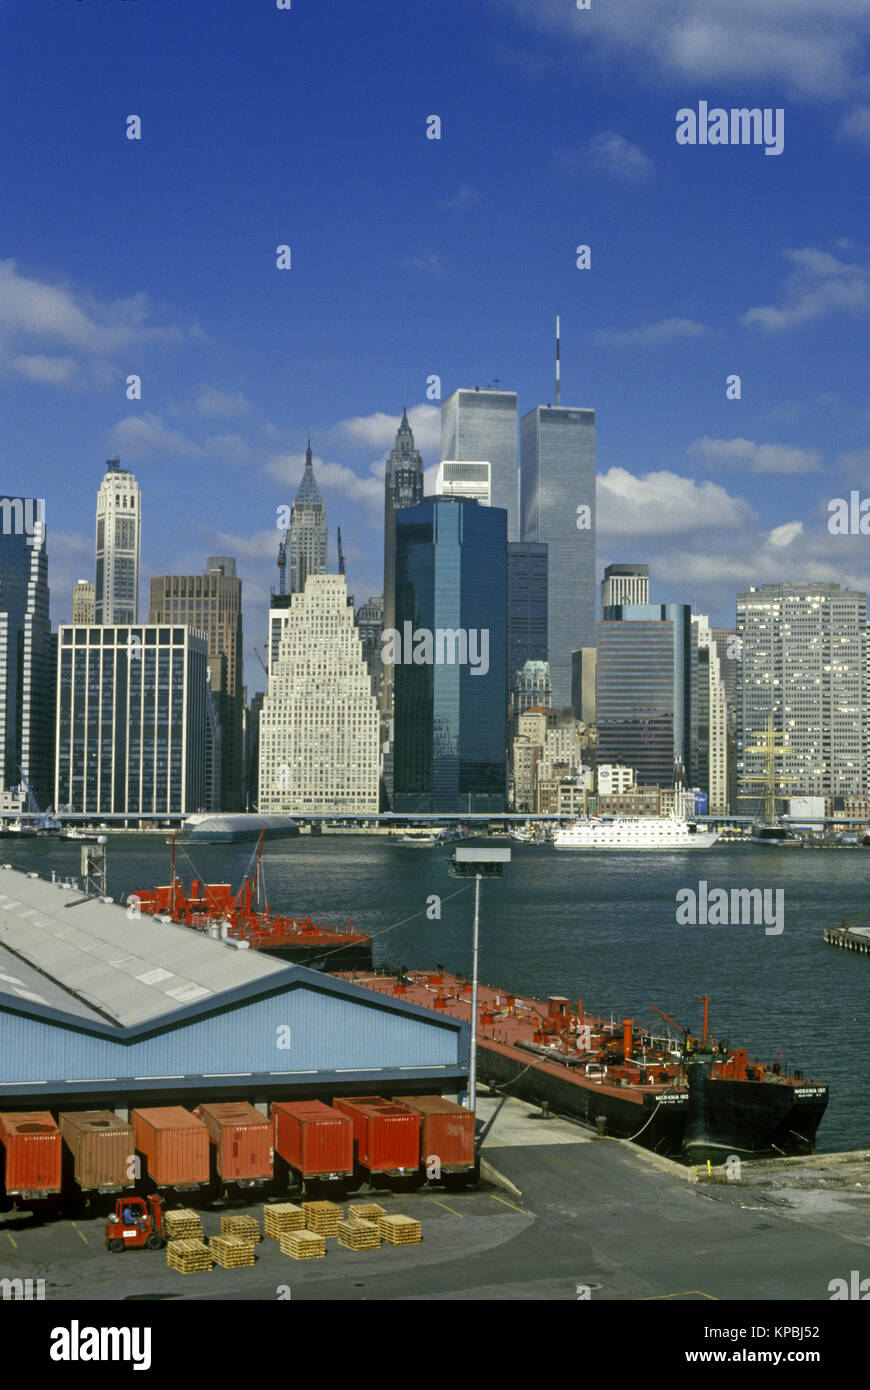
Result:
x=245 y=918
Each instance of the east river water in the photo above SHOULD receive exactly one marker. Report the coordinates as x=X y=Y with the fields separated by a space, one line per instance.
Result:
x=600 y=926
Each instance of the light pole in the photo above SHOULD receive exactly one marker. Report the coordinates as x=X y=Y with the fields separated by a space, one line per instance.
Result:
x=477 y=863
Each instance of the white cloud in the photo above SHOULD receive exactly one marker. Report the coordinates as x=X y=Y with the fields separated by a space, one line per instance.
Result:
x=760 y=458
x=615 y=155
x=144 y=436
x=379 y=429
x=429 y=262
x=210 y=401
x=811 y=49
x=34 y=309
x=665 y=504
x=818 y=284
x=782 y=536
x=230 y=447
x=52 y=371
x=856 y=126
x=334 y=479
x=665 y=331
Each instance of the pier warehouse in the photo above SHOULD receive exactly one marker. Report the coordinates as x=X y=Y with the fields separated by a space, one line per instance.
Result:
x=99 y=1010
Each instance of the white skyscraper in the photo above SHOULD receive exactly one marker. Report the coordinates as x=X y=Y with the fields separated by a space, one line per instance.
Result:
x=712 y=720
x=464 y=478
x=119 y=522
x=319 y=723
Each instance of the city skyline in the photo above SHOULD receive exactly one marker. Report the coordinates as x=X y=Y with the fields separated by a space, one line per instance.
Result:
x=705 y=262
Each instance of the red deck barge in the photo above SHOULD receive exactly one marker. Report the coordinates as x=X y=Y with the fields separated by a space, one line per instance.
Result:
x=684 y=1096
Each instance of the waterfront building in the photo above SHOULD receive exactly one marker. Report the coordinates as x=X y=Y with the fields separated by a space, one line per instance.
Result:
x=403 y=487
x=131 y=720
x=624 y=584
x=83 y=610
x=450 y=657
x=804 y=663
x=712 y=765
x=584 y=663
x=119 y=526
x=307 y=537
x=557 y=508
x=646 y=690
x=252 y=749
x=482 y=424
x=319 y=719
x=370 y=623
x=26 y=653
x=211 y=603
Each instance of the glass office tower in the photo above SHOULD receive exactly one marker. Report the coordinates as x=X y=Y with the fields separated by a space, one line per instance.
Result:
x=450 y=673
x=26 y=650
x=647 y=691
x=527 y=605
x=557 y=482
x=482 y=425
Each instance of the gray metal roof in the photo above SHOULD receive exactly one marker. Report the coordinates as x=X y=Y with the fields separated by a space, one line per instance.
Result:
x=93 y=961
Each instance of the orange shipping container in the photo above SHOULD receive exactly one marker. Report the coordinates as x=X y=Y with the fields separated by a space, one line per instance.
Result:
x=32 y=1150
x=174 y=1144
x=386 y=1134
x=447 y=1135
x=242 y=1139
x=313 y=1138
x=102 y=1148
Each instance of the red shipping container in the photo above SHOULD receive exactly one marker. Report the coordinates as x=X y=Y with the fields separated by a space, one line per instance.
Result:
x=174 y=1143
x=447 y=1134
x=32 y=1153
x=242 y=1139
x=313 y=1138
x=386 y=1134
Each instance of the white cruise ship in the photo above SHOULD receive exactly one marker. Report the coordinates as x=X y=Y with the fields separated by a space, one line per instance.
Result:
x=635 y=833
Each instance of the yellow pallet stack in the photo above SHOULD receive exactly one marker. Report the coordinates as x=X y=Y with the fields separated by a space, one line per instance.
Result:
x=183 y=1224
x=188 y=1256
x=322 y=1217
x=358 y=1234
x=400 y=1230
x=365 y=1211
x=246 y=1227
x=231 y=1252
x=303 y=1245
x=281 y=1217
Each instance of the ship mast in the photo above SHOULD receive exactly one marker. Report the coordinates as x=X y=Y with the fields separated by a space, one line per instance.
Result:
x=769 y=779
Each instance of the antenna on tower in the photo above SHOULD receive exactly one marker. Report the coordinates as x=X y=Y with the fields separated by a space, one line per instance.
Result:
x=558 y=363
x=341 y=569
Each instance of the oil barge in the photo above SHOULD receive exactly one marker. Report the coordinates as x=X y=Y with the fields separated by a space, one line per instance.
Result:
x=245 y=917
x=686 y=1097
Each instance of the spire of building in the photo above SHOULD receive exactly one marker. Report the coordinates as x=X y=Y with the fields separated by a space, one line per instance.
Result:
x=307 y=533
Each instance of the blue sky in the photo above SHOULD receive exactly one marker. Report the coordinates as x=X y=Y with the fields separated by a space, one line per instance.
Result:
x=414 y=256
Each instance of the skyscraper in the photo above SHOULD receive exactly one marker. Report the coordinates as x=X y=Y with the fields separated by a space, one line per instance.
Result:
x=119 y=524
x=307 y=538
x=805 y=664
x=557 y=507
x=646 y=691
x=527 y=605
x=370 y=622
x=83 y=602
x=450 y=657
x=319 y=720
x=482 y=424
x=712 y=769
x=131 y=720
x=403 y=487
x=212 y=603
x=624 y=584
x=26 y=651
x=470 y=478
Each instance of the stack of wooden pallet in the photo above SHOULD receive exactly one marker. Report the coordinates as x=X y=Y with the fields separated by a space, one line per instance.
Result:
x=365 y=1211
x=183 y=1224
x=322 y=1217
x=188 y=1256
x=248 y=1227
x=358 y=1234
x=281 y=1217
x=400 y=1230
x=231 y=1252
x=303 y=1245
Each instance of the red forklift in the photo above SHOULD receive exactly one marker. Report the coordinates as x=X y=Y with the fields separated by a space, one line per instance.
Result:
x=136 y=1225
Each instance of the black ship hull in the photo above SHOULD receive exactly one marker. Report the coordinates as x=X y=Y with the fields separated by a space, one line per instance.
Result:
x=317 y=955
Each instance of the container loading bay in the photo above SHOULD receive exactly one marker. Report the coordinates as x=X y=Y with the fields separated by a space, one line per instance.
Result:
x=204 y=1067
